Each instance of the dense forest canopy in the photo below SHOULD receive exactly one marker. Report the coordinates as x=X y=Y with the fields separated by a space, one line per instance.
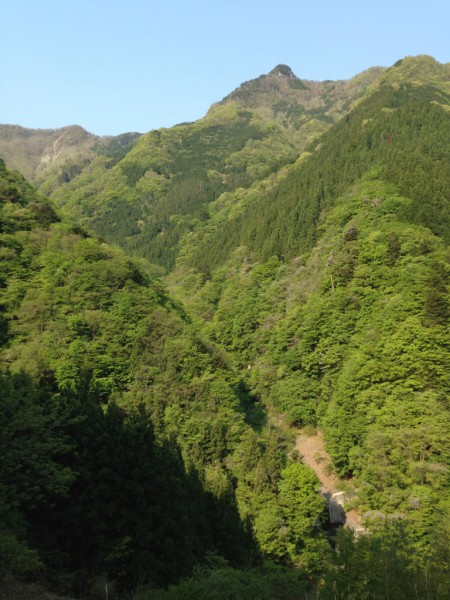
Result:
x=186 y=301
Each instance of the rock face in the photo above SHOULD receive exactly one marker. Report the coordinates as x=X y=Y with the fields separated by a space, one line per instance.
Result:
x=33 y=151
x=336 y=508
x=283 y=70
x=339 y=516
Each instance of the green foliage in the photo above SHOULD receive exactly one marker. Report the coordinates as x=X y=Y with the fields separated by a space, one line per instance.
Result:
x=16 y=558
x=135 y=520
x=301 y=503
x=401 y=132
x=149 y=198
x=142 y=436
x=161 y=188
x=21 y=206
x=353 y=338
x=270 y=583
x=381 y=566
x=352 y=334
x=31 y=440
x=87 y=329
x=73 y=498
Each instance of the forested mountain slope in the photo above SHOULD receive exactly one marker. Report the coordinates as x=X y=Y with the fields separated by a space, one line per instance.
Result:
x=56 y=155
x=401 y=129
x=141 y=418
x=329 y=287
x=161 y=189
x=294 y=102
x=124 y=431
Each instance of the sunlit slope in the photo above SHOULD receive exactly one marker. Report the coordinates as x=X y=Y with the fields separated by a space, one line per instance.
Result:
x=162 y=188
x=328 y=285
x=400 y=129
x=51 y=157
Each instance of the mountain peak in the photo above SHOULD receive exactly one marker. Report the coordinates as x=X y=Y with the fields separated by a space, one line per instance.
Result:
x=283 y=70
x=419 y=69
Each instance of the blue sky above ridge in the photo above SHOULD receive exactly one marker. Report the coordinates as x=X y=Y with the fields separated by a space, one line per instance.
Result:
x=114 y=66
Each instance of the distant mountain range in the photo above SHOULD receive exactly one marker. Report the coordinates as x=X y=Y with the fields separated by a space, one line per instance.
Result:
x=35 y=152
x=164 y=180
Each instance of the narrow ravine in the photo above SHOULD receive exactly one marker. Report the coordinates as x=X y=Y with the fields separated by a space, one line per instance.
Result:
x=314 y=455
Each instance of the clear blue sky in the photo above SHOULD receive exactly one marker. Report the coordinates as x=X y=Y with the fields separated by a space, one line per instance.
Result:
x=137 y=65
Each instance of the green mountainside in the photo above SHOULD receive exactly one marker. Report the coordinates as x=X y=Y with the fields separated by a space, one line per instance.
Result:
x=147 y=421
x=55 y=156
x=401 y=130
x=84 y=332
x=124 y=429
x=328 y=285
x=345 y=266
x=160 y=190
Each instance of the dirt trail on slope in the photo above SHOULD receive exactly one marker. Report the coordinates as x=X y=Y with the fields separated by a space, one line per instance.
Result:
x=314 y=455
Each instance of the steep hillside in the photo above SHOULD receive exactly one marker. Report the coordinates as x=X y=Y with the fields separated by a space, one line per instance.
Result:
x=55 y=156
x=329 y=285
x=162 y=188
x=35 y=151
x=400 y=129
x=295 y=102
x=146 y=424
x=124 y=430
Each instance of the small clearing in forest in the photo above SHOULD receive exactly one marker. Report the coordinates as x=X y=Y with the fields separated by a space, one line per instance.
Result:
x=314 y=455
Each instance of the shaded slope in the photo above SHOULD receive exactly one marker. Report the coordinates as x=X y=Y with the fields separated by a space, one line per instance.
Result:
x=126 y=432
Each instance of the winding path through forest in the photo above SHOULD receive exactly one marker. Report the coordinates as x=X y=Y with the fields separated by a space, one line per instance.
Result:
x=314 y=455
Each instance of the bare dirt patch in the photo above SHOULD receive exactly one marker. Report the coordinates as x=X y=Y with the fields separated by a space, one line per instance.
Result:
x=314 y=455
